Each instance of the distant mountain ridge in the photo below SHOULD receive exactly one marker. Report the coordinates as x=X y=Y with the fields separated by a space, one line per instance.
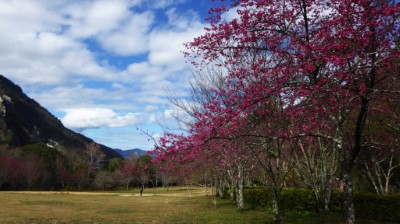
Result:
x=127 y=153
x=24 y=121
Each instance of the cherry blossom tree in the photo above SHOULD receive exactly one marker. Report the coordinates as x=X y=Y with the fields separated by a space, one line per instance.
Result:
x=30 y=169
x=7 y=163
x=142 y=168
x=326 y=61
x=126 y=174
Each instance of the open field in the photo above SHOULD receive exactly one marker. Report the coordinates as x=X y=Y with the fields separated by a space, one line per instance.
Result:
x=157 y=206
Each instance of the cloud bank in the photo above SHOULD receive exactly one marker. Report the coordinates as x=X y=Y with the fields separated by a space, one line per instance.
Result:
x=84 y=118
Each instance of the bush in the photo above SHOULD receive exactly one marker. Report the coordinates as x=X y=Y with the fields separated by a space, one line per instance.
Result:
x=258 y=196
x=367 y=206
x=371 y=206
x=336 y=202
x=298 y=199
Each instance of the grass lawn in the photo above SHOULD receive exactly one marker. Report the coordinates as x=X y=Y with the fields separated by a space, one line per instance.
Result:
x=156 y=206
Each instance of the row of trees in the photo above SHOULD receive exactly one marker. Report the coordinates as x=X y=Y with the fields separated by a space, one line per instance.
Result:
x=299 y=87
x=38 y=166
x=44 y=167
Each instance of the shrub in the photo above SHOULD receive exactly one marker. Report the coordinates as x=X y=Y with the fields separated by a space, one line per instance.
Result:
x=336 y=202
x=258 y=196
x=298 y=199
x=367 y=206
x=378 y=207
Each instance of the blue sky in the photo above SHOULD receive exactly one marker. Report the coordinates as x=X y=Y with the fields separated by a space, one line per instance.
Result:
x=102 y=66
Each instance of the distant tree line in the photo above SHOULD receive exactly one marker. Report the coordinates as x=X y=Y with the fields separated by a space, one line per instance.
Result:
x=43 y=167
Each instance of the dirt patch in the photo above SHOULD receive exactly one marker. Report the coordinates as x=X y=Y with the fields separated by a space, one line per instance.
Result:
x=135 y=195
x=106 y=193
x=60 y=192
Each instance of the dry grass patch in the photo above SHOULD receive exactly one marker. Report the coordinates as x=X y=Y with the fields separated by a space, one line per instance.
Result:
x=161 y=206
x=158 y=206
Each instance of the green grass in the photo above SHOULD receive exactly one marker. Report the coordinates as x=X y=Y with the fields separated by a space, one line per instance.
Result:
x=157 y=206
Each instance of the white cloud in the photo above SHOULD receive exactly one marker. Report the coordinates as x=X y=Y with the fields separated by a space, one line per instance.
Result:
x=26 y=16
x=35 y=51
x=49 y=58
x=129 y=39
x=118 y=86
x=81 y=62
x=84 y=118
x=143 y=73
x=111 y=23
x=52 y=44
x=150 y=108
x=169 y=113
x=157 y=136
x=89 y=18
x=29 y=46
x=162 y=54
x=181 y=20
x=63 y=97
x=181 y=29
x=165 y=3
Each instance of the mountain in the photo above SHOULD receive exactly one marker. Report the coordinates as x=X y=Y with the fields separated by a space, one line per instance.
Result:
x=126 y=153
x=23 y=121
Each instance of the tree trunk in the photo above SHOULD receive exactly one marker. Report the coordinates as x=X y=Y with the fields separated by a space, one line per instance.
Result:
x=221 y=189
x=205 y=184
x=233 y=189
x=188 y=190
x=348 y=199
x=141 y=190
x=275 y=204
x=214 y=192
x=327 y=196
x=239 y=196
